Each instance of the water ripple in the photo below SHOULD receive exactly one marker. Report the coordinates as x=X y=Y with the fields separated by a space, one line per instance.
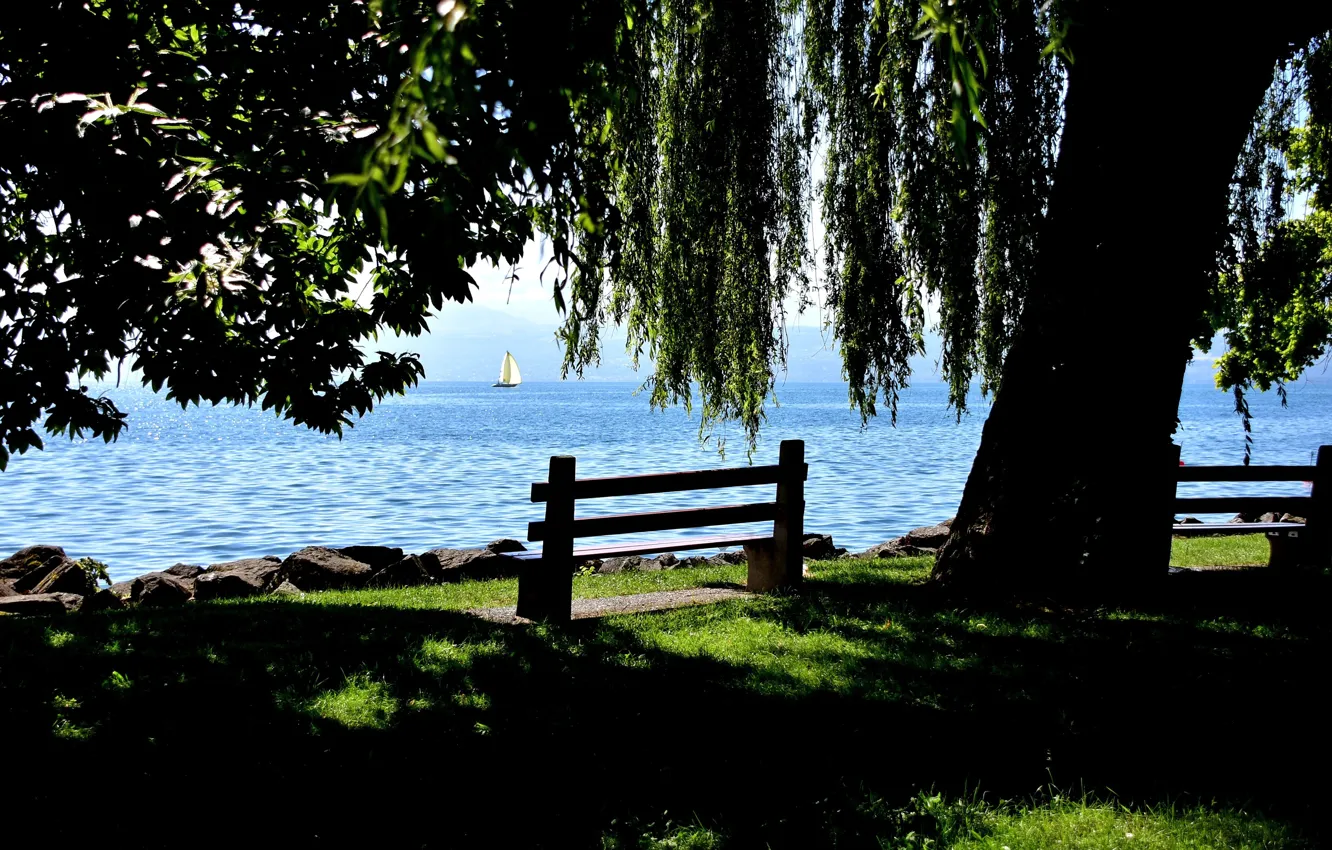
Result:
x=451 y=465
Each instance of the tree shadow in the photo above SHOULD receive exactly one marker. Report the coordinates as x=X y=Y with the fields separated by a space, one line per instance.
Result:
x=331 y=724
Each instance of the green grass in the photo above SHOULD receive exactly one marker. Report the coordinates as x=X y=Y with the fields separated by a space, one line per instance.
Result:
x=1084 y=825
x=1238 y=551
x=798 y=719
x=504 y=592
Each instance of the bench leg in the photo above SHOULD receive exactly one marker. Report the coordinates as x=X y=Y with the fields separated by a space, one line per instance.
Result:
x=1286 y=550
x=766 y=570
x=543 y=593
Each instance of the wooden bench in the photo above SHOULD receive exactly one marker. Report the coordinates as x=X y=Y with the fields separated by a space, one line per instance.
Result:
x=1291 y=544
x=776 y=559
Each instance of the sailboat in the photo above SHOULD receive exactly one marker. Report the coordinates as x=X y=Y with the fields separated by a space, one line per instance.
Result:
x=509 y=374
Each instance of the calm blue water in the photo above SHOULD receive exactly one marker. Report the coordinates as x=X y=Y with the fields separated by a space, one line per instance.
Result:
x=451 y=465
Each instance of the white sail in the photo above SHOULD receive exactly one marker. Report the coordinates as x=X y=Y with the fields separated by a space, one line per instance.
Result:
x=509 y=373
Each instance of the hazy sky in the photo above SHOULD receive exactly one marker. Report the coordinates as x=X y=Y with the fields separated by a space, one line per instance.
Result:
x=469 y=340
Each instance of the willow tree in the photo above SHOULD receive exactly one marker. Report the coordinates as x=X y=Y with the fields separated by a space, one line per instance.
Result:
x=1084 y=191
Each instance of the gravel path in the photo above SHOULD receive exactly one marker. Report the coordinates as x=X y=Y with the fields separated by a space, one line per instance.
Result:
x=663 y=600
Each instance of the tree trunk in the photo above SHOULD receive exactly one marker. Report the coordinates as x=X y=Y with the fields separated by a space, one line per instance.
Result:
x=1066 y=493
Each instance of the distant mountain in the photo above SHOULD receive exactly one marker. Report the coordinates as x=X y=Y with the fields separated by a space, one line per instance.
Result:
x=466 y=342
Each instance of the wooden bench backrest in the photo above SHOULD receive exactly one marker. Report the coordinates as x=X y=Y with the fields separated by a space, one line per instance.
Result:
x=1316 y=508
x=544 y=589
x=1298 y=505
x=669 y=482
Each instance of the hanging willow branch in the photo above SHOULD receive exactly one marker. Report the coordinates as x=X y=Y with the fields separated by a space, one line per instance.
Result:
x=702 y=139
x=714 y=149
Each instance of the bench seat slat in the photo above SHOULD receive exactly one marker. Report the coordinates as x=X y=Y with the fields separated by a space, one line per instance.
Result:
x=1245 y=473
x=649 y=547
x=603 y=526
x=1200 y=529
x=1212 y=504
x=665 y=482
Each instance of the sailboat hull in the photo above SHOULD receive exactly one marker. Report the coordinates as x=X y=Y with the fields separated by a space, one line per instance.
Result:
x=504 y=385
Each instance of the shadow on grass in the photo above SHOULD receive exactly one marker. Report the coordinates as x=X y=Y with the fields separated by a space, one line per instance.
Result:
x=778 y=720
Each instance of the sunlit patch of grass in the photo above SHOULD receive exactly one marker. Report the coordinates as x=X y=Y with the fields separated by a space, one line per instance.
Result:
x=634 y=581
x=1084 y=825
x=668 y=837
x=117 y=682
x=438 y=657
x=473 y=700
x=1237 y=551
x=67 y=726
x=67 y=730
x=933 y=822
x=360 y=703
x=778 y=658
x=873 y=571
x=56 y=638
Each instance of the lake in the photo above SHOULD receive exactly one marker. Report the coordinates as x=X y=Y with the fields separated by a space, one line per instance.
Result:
x=451 y=464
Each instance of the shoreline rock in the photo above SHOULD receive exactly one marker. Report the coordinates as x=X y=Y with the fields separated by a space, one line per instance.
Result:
x=321 y=568
x=238 y=579
x=42 y=579
x=925 y=540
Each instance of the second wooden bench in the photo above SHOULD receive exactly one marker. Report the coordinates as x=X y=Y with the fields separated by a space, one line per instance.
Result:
x=1291 y=544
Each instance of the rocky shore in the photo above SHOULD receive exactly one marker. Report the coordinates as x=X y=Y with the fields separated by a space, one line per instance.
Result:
x=45 y=580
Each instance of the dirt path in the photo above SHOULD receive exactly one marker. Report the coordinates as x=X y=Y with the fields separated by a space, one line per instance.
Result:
x=584 y=609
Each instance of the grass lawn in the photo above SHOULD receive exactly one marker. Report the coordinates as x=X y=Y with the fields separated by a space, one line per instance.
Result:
x=861 y=711
x=1239 y=551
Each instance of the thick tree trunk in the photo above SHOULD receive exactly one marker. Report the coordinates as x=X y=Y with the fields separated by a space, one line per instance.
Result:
x=1066 y=490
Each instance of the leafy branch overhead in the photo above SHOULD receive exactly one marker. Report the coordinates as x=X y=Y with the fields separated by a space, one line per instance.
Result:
x=170 y=197
x=235 y=202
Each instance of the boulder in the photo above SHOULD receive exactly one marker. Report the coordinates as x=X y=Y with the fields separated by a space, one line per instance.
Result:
x=123 y=589
x=593 y=564
x=7 y=587
x=407 y=572
x=184 y=574
x=1292 y=518
x=102 y=600
x=160 y=590
x=505 y=544
x=320 y=568
x=1189 y=520
x=691 y=562
x=185 y=571
x=948 y=523
x=898 y=547
x=667 y=560
x=28 y=558
x=246 y=577
x=27 y=583
x=68 y=577
x=41 y=603
x=287 y=589
x=378 y=557
x=453 y=565
x=611 y=566
x=735 y=556
x=929 y=537
x=1267 y=517
x=819 y=547
x=650 y=565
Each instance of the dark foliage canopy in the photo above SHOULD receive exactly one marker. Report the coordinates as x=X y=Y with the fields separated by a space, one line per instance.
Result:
x=202 y=193
x=234 y=201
